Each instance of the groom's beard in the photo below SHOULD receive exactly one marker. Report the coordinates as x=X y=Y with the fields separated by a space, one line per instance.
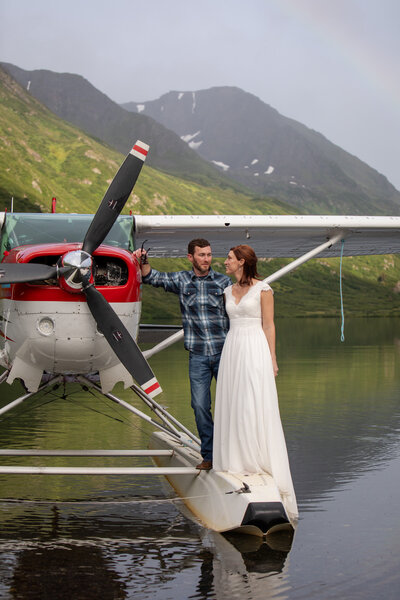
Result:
x=202 y=268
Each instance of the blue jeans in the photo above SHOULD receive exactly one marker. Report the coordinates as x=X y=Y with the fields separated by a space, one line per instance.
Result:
x=201 y=371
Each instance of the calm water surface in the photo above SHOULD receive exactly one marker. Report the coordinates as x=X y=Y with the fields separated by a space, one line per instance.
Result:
x=116 y=538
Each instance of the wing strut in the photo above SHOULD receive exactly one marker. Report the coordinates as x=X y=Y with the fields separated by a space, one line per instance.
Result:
x=302 y=259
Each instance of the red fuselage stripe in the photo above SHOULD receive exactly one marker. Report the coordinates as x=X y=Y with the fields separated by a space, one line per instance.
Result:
x=129 y=292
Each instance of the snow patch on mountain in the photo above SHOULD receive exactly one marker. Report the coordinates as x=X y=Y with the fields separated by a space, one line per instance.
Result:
x=223 y=166
x=189 y=136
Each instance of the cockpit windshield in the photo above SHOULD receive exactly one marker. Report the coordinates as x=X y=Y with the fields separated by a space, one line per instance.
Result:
x=21 y=229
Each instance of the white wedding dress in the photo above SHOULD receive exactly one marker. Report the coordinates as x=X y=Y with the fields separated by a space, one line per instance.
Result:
x=248 y=435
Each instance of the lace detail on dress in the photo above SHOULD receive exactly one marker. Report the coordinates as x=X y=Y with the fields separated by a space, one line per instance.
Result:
x=265 y=286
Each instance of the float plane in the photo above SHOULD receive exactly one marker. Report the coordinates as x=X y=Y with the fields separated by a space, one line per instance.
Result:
x=70 y=305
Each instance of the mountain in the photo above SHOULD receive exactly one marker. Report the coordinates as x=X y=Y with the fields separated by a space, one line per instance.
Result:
x=43 y=156
x=75 y=100
x=229 y=138
x=271 y=154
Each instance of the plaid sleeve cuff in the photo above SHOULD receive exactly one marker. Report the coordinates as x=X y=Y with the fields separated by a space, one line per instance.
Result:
x=147 y=278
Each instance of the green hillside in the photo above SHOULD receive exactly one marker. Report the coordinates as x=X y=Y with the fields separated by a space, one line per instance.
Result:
x=42 y=156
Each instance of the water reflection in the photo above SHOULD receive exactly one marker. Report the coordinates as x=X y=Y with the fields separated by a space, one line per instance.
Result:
x=71 y=571
x=339 y=402
x=120 y=537
x=244 y=566
x=53 y=558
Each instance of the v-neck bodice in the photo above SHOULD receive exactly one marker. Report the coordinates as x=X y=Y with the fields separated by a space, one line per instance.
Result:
x=249 y=305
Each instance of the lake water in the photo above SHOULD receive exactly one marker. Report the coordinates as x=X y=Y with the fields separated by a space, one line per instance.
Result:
x=112 y=537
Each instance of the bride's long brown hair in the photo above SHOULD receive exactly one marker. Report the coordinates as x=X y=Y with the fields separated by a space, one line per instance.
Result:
x=249 y=265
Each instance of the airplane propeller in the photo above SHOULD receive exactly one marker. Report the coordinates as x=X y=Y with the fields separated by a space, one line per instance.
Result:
x=115 y=198
x=75 y=270
x=120 y=340
x=25 y=272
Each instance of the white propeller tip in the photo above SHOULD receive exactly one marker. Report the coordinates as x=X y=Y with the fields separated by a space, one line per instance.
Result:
x=152 y=387
x=140 y=150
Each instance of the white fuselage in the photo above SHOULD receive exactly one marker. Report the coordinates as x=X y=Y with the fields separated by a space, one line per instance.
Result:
x=58 y=337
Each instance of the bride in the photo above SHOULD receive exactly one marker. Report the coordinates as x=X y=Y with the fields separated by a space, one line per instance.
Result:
x=248 y=435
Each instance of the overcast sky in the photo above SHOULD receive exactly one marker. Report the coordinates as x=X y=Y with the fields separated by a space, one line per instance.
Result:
x=333 y=65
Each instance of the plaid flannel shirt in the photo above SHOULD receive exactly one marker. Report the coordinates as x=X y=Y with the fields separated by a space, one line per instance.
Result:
x=204 y=319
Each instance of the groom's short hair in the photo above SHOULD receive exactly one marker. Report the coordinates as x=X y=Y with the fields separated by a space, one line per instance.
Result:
x=199 y=242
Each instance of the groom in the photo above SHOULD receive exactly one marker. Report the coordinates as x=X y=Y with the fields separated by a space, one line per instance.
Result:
x=205 y=325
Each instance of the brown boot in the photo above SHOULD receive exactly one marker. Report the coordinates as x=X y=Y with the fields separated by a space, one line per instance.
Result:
x=206 y=465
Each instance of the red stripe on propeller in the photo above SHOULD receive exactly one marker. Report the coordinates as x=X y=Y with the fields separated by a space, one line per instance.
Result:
x=140 y=149
x=152 y=388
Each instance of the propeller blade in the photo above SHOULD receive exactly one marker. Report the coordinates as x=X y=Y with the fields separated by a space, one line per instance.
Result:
x=25 y=272
x=121 y=341
x=115 y=197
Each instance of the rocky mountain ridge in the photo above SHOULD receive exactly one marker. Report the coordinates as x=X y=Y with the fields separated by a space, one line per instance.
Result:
x=255 y=145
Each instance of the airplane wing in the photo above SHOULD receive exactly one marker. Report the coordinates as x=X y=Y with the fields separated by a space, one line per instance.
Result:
x=269 y=235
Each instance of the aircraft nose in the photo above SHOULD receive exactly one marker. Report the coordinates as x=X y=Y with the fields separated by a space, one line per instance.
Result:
x=80 y=265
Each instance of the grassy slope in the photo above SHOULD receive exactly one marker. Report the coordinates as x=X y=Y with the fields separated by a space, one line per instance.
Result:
x=42 y=156
x=310 y=290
